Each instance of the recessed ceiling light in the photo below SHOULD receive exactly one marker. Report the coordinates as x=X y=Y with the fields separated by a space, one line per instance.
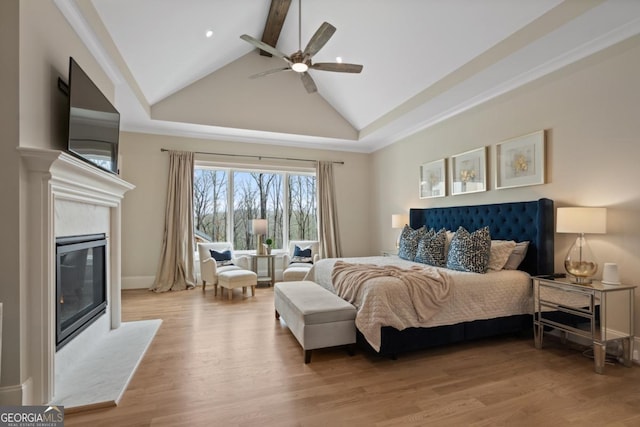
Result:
x=209 y=33
x=339 y=59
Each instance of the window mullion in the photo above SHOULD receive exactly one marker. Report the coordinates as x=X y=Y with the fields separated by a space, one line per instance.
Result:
x=285 y=214
x=230 y=206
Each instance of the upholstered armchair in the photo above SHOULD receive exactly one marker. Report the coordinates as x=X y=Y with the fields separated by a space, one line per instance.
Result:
x=209 y=267
x=299 y=259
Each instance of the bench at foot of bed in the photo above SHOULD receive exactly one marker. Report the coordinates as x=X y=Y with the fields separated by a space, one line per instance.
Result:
x=317 y=317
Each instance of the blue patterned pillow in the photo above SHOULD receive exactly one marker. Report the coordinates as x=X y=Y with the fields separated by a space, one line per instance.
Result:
x=431 y=248
x=409 y=242
x=470 y=251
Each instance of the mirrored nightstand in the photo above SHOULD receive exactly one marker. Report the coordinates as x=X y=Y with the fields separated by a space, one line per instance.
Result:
x=598 y=312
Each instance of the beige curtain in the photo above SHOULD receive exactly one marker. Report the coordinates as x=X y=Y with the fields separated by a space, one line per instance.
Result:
x=175 y=272
x=327 y=212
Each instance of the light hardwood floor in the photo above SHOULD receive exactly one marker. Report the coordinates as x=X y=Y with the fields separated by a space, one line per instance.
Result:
x=230 y=363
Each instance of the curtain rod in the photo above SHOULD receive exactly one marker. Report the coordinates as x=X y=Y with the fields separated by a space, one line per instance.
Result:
x=258 y=157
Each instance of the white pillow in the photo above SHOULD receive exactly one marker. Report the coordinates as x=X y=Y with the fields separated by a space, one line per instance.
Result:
x=517 y=256
x=500 y=252
x=304 y=244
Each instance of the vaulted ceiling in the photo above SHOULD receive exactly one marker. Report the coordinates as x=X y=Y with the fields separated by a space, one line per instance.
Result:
x=424 y=61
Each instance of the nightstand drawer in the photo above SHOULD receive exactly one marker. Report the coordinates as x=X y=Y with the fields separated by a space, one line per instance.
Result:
x=565 y=297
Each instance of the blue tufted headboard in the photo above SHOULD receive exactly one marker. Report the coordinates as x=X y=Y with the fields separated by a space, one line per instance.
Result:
x=519 y=221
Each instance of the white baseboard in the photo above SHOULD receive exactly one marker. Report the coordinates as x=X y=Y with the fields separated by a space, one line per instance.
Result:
x=635 y=351
x=17 y=395
x=142 y=282
x=137 y=282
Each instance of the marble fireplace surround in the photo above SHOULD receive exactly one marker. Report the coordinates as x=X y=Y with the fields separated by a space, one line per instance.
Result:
x=67 y=196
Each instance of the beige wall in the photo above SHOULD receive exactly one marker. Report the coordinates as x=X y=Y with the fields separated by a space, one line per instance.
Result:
x=9 y=190
x=591 y=111
x=35 y=43
x=147 y=168
x=227 y=98
x=46 y=43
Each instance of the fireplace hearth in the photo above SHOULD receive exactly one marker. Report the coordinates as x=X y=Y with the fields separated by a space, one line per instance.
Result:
x=81 y=295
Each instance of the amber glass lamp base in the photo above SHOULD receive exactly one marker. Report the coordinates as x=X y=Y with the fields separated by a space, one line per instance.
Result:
x=580 y=262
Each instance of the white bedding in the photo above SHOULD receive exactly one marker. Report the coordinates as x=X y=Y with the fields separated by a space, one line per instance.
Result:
x=473 y=296
x=390 y=295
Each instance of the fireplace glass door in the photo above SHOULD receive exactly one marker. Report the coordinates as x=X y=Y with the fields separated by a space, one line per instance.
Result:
x=80 y=284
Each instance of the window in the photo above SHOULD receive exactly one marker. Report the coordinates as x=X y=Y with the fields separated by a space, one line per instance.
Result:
x=210 y=204
x=226 y=200
x=302 y=216
x=256 y=195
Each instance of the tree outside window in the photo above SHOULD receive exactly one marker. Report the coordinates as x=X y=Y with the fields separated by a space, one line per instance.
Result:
x=256 y=195
x=303 y=217
x=210 y=203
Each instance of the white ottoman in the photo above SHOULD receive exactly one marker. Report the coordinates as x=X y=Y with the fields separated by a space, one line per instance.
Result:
x=295 y=273
x=237 y=279
x=317 y=317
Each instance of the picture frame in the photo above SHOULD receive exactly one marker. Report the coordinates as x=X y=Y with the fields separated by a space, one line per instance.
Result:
x=520 y=161
x=468 y=172
x=433 y=179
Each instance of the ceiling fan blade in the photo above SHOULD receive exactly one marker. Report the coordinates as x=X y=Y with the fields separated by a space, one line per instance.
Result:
x=261 y=45
x=338 y=67
x=308 y=83
x=319 y=39
x=272 y=71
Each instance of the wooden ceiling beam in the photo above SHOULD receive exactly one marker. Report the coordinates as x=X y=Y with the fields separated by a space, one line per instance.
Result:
x=275 y=21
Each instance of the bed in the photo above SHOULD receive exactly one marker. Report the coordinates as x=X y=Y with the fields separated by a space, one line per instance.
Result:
x=502 y=313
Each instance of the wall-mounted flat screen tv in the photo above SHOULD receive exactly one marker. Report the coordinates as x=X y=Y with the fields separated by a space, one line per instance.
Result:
x=94 y=123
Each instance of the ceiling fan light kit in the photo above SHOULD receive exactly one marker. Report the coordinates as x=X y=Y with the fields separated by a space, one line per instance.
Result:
x=300 y=61
x=299 y=67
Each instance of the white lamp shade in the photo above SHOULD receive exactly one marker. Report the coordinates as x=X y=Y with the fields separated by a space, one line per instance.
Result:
x=259 y=226
x=581 y=220
x=399 y=220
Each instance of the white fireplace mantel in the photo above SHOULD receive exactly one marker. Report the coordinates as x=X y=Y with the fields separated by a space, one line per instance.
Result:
x=80 y=180
x=58 y=176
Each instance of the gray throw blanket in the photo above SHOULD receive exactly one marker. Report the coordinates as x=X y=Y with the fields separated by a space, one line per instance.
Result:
x=390 y=295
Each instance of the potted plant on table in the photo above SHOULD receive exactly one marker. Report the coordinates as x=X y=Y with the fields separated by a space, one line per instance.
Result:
x=267 y=246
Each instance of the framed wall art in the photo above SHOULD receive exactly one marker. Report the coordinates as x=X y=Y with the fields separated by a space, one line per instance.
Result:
x=520 y=161
x=433 y=179
x=468 y=172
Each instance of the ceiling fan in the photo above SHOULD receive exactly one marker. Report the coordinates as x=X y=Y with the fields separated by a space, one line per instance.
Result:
x=300 y=61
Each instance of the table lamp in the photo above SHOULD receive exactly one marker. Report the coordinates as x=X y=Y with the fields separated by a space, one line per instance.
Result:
x=580 y=262
x=399 y=221
x=259 y=228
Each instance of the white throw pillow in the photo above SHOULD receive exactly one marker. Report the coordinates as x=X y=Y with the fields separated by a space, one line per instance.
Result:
x=500 y=252
x=517 y=256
